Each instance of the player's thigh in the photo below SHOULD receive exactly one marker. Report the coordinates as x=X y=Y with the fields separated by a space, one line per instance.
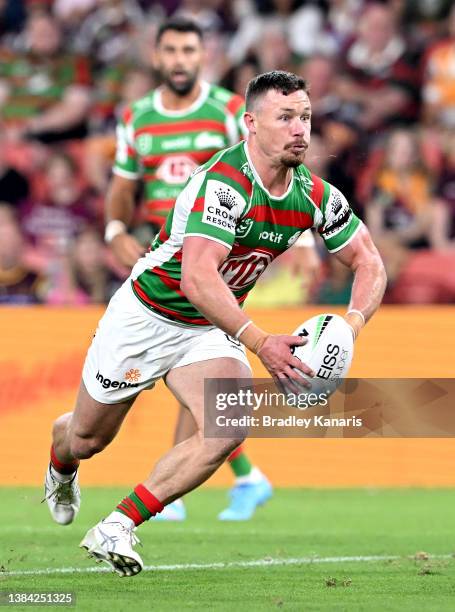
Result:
x=187 y=382
x=93 y=419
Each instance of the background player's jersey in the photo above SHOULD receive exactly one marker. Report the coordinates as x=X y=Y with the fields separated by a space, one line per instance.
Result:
x=225 y=201
x=164 y=147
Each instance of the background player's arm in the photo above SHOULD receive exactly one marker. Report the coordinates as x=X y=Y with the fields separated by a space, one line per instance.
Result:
x=207 y=291
x=119 y=213
x=119 y=206
x=363 y=258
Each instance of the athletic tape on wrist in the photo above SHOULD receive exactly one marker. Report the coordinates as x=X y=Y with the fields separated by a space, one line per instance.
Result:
x=242 y=329
x=358 y=312
x=113 y=229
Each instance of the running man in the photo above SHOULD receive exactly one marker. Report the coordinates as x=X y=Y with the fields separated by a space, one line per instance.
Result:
x=161 y=139
x=178 y=313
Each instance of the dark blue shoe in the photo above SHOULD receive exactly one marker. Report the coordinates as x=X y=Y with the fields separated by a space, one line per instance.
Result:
x=245 y=498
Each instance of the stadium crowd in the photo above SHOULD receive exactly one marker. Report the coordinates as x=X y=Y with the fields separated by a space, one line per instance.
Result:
x=382 y=77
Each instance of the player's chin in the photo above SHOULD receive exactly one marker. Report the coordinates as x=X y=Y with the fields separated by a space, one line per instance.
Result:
x=294 y=159
x=181 y=87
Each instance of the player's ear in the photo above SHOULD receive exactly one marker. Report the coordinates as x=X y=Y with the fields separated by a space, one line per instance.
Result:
x=250 y=122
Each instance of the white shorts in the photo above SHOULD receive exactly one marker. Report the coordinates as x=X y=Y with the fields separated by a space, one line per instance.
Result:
x=133 y=348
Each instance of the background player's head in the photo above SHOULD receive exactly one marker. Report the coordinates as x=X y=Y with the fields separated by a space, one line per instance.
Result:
x=179 y=54
x=278 y=117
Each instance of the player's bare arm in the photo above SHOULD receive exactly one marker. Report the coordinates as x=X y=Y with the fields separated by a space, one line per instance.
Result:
x=119 y=213
x=204 y=287
x=363 y=258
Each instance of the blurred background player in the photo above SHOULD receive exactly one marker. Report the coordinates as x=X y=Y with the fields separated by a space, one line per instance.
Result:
x=161 y=139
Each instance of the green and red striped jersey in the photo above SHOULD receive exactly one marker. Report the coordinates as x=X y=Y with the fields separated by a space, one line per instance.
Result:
x=164 y=147
x=36 y=83
x=225 y=201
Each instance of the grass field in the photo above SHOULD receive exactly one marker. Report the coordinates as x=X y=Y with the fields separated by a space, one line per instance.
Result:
x=306 y=550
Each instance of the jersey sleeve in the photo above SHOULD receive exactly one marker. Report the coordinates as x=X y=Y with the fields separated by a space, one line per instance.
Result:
x=215 y=209
x=126 y=160
x=338 y=224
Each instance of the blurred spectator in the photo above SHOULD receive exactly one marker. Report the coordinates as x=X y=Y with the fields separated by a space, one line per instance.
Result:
x=107 y=34
x=342 y=19
x=379 y=75
x=443 y=228
x=71 y=13
x=400 y=216
x=335 y=121
x=237 y=78
x=53 y=224
x=439 y=80
x=14 y=186
x=424 y=19
x=302 y=27
x=18 y=284
x=44 y=91
x=12 y=16
x=84 y=276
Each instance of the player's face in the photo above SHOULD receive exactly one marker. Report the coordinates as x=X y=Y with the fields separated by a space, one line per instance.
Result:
x=282 y=126
x=178 y=59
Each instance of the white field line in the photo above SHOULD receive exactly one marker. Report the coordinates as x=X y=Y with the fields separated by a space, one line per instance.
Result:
x=267 y=562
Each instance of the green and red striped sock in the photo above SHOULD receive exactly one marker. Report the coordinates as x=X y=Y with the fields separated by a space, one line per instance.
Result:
x=63 y=468
x=140 y=505
x=239 y=462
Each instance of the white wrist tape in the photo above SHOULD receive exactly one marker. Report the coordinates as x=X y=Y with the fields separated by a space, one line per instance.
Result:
x=242 y=329
x=358 y=312
x=113 y=229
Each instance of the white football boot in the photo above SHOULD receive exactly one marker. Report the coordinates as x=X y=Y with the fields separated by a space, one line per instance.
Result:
x=113 y=543
x=63 y=497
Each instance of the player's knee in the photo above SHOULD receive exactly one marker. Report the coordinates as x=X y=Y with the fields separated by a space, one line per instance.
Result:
x=61 y=423
x=84 y=448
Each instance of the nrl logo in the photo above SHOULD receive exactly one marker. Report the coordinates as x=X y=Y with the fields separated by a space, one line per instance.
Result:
x=244 y=227
x=225 y=198
x=144 y=144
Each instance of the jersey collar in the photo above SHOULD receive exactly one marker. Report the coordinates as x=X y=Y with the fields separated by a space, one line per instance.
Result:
x=258 y=179
x=158 y=103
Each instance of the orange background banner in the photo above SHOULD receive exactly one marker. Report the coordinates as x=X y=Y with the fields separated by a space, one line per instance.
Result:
x=41 y=356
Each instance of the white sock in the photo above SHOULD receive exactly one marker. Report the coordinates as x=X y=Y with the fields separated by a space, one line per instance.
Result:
x=61 y=477
x=119 y=517
x=253 y=477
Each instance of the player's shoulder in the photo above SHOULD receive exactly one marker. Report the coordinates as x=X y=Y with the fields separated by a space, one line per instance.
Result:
x=230 y=166
x=319 y=190
x=228 y=100
x=134 y=110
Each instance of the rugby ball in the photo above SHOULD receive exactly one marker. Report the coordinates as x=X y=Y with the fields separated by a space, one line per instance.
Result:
x=328 y=351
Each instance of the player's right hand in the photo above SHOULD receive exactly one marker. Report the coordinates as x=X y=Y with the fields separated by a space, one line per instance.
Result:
x=277 y=357
x=126 y=249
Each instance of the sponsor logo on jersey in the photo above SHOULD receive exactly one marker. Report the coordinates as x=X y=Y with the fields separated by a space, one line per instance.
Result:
x=107 y=383
x=144 y=144
x=293 y=239
x=133 y=375
x=239 y=272
x=271 y=237
x=244 y=228
x=183 y=142
x=175 y=169
x=222 y=204
x=206 y=140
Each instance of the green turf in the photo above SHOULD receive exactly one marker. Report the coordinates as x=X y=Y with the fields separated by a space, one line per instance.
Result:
x=294 y=524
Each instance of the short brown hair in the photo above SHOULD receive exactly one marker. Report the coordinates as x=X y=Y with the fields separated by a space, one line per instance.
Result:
x=279 y=80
